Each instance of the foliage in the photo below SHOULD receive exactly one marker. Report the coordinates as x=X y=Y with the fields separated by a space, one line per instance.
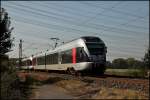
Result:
x=5 y=32
x=11 y=87
x=147 y=58
x=119 y=63
x=3 y=63
x=129 y=63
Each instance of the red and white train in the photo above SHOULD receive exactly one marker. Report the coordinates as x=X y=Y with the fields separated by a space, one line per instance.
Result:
x=85 y=54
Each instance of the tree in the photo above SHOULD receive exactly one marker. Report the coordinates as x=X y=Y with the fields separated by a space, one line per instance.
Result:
x=130 y=62
x=119 y=63
x=138 y=64
x=147 y=59
x=9 y=84
x=5 y=32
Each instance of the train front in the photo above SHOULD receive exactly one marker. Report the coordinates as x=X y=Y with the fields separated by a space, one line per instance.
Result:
x=97 y=54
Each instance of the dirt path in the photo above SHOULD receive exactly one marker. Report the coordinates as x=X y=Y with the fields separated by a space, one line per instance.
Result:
x=50 y=92
x=73 y=89
x=56 y=86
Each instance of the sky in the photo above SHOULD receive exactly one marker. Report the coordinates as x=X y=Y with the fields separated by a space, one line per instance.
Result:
x=122 y=25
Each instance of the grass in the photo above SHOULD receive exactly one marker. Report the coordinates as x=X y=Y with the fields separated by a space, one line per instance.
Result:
x=127 y=72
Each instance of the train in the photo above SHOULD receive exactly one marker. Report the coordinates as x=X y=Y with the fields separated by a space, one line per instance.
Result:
x=86 y=54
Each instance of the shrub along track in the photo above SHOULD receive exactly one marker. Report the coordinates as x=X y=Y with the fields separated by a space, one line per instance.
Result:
x=109 y=81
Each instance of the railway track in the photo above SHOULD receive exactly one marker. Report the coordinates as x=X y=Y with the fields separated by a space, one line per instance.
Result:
x=110 y=81
x=76 y=74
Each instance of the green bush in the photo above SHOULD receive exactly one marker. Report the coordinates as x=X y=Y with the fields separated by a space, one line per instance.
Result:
x=11 y=87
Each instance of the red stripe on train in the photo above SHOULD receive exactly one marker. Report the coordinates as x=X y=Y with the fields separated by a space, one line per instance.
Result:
x=74 y=55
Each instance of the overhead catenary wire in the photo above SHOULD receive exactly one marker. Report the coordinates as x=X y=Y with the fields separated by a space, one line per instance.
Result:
x=98 y=25
x=96 y=33
x=107 y=9
x=64 y=16
x=117 y=11
x=94 y=26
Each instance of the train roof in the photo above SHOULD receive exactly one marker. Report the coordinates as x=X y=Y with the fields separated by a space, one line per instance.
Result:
x=39 y=55
x=71 y=44
x=27 y=58
x=85 y=38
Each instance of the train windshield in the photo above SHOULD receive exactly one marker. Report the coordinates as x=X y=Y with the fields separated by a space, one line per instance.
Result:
x=96 y=48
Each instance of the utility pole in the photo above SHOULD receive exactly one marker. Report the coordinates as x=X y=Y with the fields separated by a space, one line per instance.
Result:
x=20 y=52
x=55 y=40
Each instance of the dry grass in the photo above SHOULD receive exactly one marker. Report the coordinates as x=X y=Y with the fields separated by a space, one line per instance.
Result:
x=111 y=93
x=75 y=87
x=90 y=90
x=86 y=91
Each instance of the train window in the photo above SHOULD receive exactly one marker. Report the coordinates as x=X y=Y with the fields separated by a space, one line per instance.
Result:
x=29 y=62
x=95 y=45
x=81 y=55
x=52 y=58
x=41 y=60
x=55 y=58
x=66 y=56
x=92 y=39
x=96 y=48
x=47 y=59
x=23 y=63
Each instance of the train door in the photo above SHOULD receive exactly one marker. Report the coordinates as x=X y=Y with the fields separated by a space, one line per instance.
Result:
x=34 y=62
